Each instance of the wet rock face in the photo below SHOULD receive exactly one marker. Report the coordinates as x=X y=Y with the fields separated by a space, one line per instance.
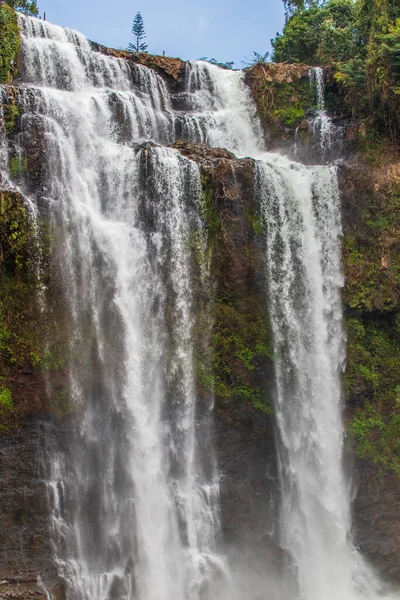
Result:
x=25 y=547
x=241 y=348
x=249 y=481
x=283 y=96
x=376 y=522
x=371 y=247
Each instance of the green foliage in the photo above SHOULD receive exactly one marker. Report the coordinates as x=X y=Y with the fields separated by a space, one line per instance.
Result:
x=256 y=59
x=6 y=405
x=318 y=35
x=16 y=166
x=11 y=112
x=24 y=6
x=373 y=374
x=139 y=35
x=9 y=43
x=213 y=61
x=283 y=103
x=292 y=6
x=239 y=342
x=361 y=38
x=289 y=115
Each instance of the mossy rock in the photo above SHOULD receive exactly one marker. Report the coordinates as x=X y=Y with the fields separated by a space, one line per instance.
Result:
x=6 y=406
x=370 y=193
x=282 y=93
x=372 y=273
x=372 y=383
x=371 y=249
x=19 y=281
x=241 y=342
x=11 y=112
x=9 y=43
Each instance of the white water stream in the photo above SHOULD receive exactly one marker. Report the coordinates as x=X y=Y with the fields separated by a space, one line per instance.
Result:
x=134 y=493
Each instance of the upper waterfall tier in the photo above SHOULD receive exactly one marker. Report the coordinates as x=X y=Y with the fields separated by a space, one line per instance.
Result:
x=214 y=107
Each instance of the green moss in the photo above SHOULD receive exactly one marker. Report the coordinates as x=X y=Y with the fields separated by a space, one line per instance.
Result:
x=9 y=42
x=378 y=437
x=373 y=376
x=284 y=103
x=240 y=342
x=6 y=405
x=371 y=251
x=373 y=356
x=372 y=266
x=11 y=112
x=258 y=224
x=17 y=166
x=28 y=336
x=6 y=402
x=19 y=257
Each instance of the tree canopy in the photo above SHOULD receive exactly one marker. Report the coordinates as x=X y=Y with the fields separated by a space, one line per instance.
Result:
x=24 y=6
x=361 y=39
x=139 y=35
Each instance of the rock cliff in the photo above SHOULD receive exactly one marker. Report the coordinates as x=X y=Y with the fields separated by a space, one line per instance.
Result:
x=239 y=367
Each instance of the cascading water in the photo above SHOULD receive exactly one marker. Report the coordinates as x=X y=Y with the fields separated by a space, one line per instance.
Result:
x=134 y=493
x=301 y=209
x=135 y=511
x=328 y=136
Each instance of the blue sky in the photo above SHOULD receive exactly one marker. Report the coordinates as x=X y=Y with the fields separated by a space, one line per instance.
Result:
x=221 y=29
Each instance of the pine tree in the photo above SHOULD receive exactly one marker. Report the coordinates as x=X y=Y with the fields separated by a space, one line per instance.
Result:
x=139 y=35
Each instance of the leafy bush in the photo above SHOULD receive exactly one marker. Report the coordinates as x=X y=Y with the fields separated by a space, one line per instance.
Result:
x=9 y=42
x=362 y=40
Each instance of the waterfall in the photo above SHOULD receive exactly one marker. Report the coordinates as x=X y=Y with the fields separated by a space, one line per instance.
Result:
x=135 y=511
x=328 y=136
x=223 y=114
x=301 y=209
x=133 y=483
x=145 y=521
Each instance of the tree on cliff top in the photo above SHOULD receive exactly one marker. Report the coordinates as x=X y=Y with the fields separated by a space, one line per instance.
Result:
x=361 y=39
x=139 y=45
x=24 y=6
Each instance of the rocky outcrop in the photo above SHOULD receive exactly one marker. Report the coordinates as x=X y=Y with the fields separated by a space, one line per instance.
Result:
x=25 y=546
x=376 y=510
x=283 y=96
x=10 y=42
x=241 y=372
x=370 y=194
x=171 y=69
